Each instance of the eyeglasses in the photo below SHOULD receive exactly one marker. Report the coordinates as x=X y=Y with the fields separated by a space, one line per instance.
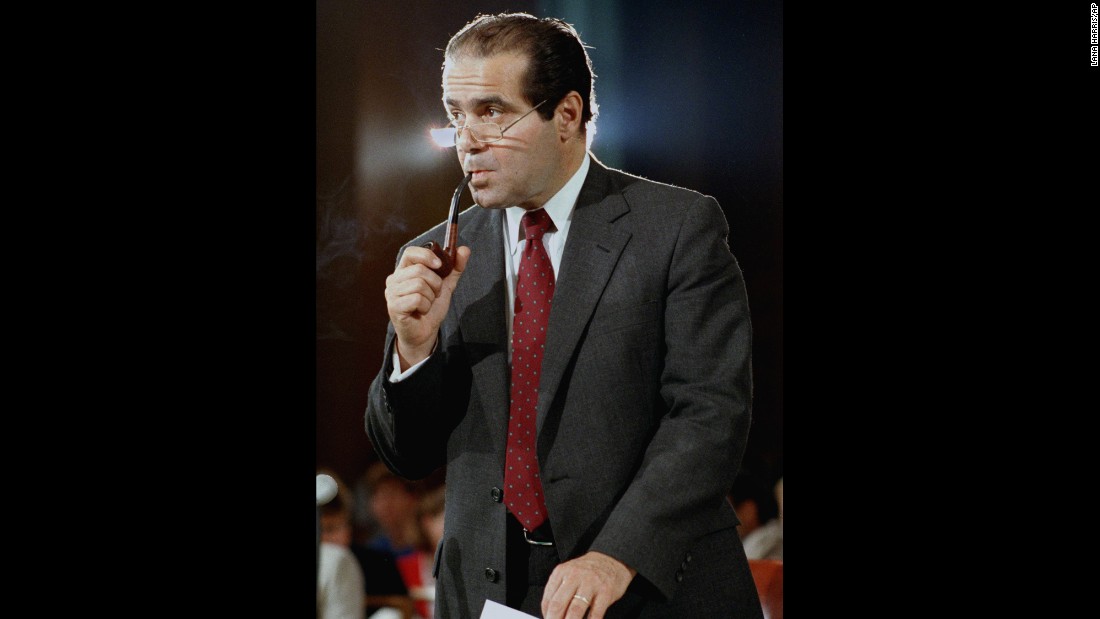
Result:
x=486 y=133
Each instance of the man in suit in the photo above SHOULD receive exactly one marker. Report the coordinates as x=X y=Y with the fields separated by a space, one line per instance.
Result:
x=641 y=407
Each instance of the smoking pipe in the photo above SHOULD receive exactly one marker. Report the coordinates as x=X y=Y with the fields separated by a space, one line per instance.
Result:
x=448 y=253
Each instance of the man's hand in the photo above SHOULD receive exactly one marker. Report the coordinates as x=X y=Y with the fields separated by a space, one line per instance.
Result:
x=590 y=583
x=417 y=301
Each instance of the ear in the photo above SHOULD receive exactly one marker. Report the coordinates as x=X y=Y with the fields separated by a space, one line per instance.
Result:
x=568 y=116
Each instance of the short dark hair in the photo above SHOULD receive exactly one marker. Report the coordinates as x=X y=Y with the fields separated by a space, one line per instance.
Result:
x=378 y=473
x=558 y=65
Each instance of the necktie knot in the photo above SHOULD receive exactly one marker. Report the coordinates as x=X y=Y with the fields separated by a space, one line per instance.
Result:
x=535 y=224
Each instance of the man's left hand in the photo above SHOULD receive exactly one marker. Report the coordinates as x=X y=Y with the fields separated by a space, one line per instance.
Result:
x=590 y=583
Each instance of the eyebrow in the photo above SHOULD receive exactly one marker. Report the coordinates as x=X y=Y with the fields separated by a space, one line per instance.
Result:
x=497 y=99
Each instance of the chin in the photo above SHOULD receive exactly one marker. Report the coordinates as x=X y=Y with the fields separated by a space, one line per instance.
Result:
x=487 y=201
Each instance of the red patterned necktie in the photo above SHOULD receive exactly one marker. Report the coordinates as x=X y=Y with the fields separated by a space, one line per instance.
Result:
x=534 y=290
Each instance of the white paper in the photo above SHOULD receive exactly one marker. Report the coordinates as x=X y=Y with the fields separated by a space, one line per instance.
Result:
x=493 y=610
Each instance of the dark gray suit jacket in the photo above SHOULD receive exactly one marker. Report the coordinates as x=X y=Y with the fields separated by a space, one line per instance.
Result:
x=644 y=402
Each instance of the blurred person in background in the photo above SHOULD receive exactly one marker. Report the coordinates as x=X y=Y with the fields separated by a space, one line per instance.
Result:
x=392 y=502
x=761 y=528
x=340 y=578
x=416 y=568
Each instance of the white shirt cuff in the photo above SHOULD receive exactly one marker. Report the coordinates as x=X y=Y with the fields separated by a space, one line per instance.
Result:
x=397 y=375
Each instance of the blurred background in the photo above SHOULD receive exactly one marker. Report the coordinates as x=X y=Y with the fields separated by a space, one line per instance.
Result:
x=689 y=94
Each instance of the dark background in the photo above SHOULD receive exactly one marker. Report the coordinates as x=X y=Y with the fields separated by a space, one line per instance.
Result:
x=690 y=94
x=187 y=352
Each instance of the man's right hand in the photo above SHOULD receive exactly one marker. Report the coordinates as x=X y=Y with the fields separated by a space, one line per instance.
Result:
x=417 y=300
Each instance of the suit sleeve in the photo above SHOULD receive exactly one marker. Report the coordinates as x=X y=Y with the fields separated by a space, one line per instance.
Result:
x=678 y=494
x=409 y=422
x=405 y=420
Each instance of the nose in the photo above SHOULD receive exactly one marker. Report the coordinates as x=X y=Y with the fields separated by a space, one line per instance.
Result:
x=466 y=142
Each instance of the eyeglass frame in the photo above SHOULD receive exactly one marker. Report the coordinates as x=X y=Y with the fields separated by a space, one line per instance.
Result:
x=466 y=126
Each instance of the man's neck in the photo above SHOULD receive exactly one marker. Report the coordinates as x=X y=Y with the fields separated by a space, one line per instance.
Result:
x=573 y=157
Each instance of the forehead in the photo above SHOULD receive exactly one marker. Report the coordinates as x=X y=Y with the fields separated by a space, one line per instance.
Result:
x=468 y=80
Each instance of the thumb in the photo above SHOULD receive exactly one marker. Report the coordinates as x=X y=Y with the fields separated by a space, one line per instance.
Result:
x=462 y=257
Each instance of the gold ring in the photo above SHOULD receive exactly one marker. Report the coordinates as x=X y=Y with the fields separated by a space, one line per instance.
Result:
x=582 y=598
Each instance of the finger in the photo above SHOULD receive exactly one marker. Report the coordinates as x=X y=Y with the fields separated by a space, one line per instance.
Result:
x=578 y=606
x=555 y=603
x=548 y=606
x=410 y=296
x=599 y=607
x=414 y=279
x=565 y=602
x=415 y=270
x=565 y=581
x=462 y=256
x=426 y=285
x=408 y=305
x=414 y=254
x=552 y=586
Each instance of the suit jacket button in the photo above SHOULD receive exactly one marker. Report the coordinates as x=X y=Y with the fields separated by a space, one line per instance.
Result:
x=491 y=574
x=679 y=577
x=497 y=494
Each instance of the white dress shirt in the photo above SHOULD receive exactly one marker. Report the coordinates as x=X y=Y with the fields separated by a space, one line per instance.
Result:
x=560 y=210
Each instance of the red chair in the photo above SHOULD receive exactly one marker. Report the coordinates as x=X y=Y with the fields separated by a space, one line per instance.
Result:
x=768 y=575
x=404 y=604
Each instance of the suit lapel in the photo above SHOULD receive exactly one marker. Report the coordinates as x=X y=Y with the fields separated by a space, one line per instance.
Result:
x=591 y=251
x=480 y=301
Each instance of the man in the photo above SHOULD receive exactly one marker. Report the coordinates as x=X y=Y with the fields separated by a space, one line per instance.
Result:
x=637 y=412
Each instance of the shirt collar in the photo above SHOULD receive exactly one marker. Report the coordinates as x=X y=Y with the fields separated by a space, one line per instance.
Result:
x=559 y=207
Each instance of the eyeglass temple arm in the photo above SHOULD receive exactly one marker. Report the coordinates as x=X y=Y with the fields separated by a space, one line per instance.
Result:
x=448 y=253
